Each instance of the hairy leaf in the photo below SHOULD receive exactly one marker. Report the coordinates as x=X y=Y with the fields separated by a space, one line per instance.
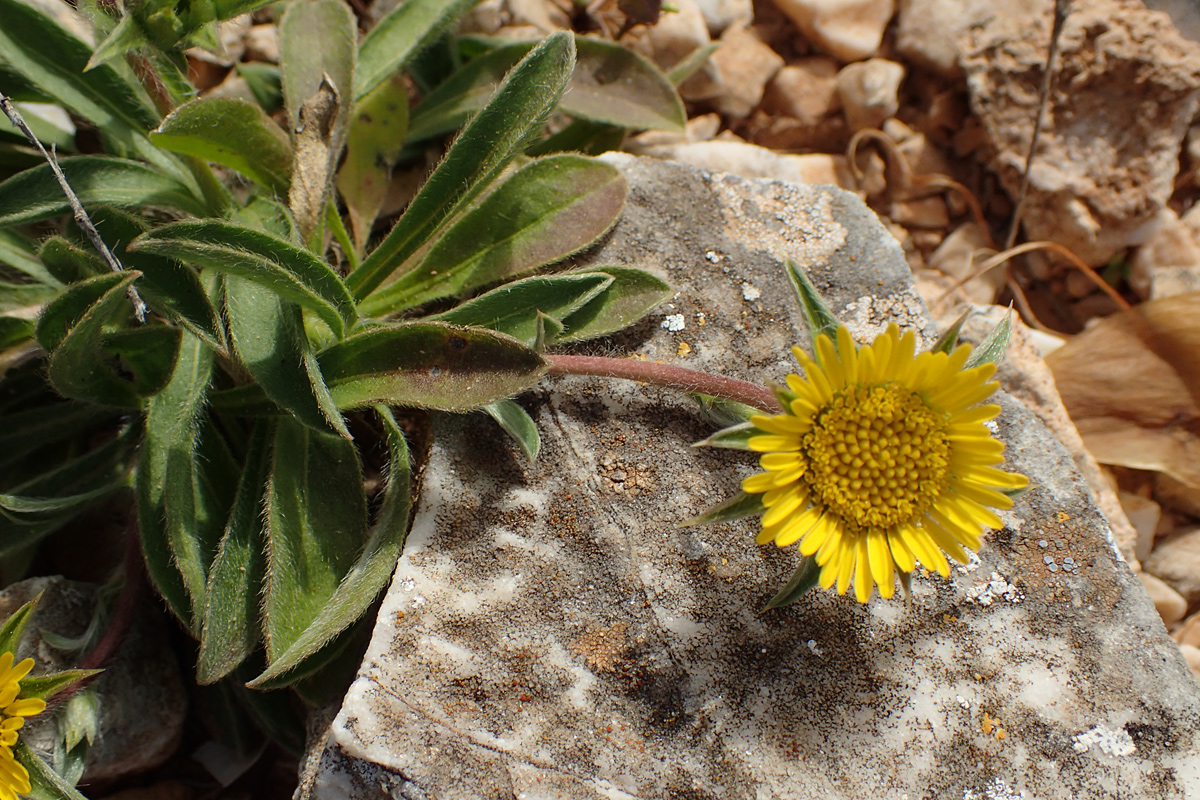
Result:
x=627 y=299
x=743 y=505
x=517 y=423
x=482 y=150
x=373 y=144
x=400 y=35
x=316 y=524
x=804 y=578
x=268 y=335
x=231 y=621
x=546 y=211
x=820 y=319
x=371 y=571
x=233 y=132
x=514 y=308
x=34 y=194
x=288 y=271
x=428 y=365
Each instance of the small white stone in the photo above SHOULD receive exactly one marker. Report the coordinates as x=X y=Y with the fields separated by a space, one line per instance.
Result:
x=750 y=293
x=870 y=92
x=847 y=29
x=674 y=323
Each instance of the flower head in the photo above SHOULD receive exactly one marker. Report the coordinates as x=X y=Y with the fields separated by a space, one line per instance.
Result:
x=881 y=460
x=14 y=778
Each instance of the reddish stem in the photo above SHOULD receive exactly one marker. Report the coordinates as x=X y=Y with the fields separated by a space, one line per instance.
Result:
x=688 y=380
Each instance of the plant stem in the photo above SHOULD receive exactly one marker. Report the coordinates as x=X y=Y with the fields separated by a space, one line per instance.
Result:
x=688 y=380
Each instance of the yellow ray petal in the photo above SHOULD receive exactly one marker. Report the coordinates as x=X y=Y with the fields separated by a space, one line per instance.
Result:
x=798 y=526
x=901 y=553
x=848 y=352
x=864 y=584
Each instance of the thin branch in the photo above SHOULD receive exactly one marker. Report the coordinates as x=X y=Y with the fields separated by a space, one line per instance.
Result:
x=1061 y=9
x=688 y=380
x=81 y=216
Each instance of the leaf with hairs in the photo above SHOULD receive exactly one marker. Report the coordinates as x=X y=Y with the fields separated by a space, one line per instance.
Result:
x=493 y=138
x=544 y=212
x=401 y=34
x=631 y=295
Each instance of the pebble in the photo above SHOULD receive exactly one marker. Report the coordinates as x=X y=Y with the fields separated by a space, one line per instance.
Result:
x=870 y=92
x=1143 y=514
x=1177 y=561
x=1192 y=656
x=674 y=37
x=1177 y=495
x=745 y=65
x=722 y=14
x=806 y=90
x=1169 y=604
x=1188 y=631
x=846 y=29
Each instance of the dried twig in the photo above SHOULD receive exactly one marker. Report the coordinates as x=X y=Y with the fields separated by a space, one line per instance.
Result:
x=81 y=217
x=1061 y=9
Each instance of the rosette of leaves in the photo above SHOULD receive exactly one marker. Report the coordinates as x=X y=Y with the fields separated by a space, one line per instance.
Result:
x=254 y=413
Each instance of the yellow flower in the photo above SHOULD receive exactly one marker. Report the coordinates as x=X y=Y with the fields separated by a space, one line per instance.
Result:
x=14 y=779
x=881 y=459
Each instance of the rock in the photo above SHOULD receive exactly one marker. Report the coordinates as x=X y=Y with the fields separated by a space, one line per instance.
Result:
x=869 y=91
x=752 y=161
x=1169 y=262
x=673 y=38
x=1169 y=603
x=1176 y=495
x=1184 y=13
x=142 y=700
x=262 y=43
x=745 y=65
x=1143 y=514
x=928 y=32
x=1189 y=631
x=1024 y=375
x=1123 y=97
x=846 y=29
x=550 y=632
x=955 y=257
x=722 y=14
x=1192 y=656
x=806 y=90
x=1177 y=561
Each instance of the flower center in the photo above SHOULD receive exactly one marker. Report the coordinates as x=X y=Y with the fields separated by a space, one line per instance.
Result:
x=877 y=456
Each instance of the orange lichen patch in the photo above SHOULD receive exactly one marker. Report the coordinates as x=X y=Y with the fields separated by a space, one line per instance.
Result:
x=604 y=648
x=991 y=727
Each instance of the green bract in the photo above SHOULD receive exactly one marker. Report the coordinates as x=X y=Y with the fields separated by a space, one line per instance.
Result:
x=255 y=422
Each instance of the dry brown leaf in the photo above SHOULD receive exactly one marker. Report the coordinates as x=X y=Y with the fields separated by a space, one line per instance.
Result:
x=1131 y=384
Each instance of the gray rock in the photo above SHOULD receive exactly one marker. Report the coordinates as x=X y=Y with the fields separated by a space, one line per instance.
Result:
x=142 y=700
x=550 y=632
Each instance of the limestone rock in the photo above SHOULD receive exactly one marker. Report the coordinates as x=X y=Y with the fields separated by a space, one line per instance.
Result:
x=1169 y=262
x=806 y=90
x=745 y=65
x=1144 y=515
x=846 y=29
x=752 y=161
x=1169 y=603
x=142 y=699
x=550 y=632
x=1177 y=561
x=870 y=91
x=1123 y=97
x=928 y=32
x=722 y=14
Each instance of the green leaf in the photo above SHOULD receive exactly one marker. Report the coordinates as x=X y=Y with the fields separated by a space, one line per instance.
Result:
x=580 y=136
x=546 y=211
x=145 y=354
x=492 y=139
x=68 y=262
x=723 y=412
x=165 y=486
x=110 y=96
x=58 y=318
x=514 y=308
x=517 y=423
x=371 y=572
x=21 y=253
x=13 y=331
x=317 y=39
x=265 y=82
x=804 y=578
x=24 y=297
x=735 y=437
x=400 y=35
x=34 y=194
x=690 y=64
x=80 y=367
x=45 y=782
x=46 y=686
x=288 y=271
x=429 y=365
x=26 y=431
x=949 y=339
x=268 y=334
x=994 y=345
x=742 y=505
x=316 y=523
x=14 y=626
x=126 y=37
x=632 y=294
x=820 y=319
x=611 y=85
x=233 y=132
x=373 y=144
x=231 y=630
x=50 y=129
